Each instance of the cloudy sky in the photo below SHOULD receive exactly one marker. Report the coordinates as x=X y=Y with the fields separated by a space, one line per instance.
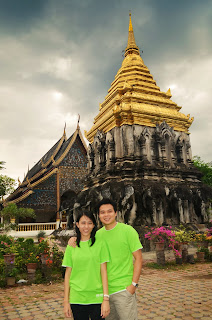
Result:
x=58 y=59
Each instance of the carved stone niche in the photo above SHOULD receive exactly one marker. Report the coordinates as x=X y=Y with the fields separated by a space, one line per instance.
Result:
x=164 y=142
x=90 y=156
x=145 y=146
x=110 y=151
x=99 y=151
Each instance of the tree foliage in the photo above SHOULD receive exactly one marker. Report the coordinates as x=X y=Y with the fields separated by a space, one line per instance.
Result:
x=7 y=185
x=12 y=211
x=1 y=164
x=205 y=168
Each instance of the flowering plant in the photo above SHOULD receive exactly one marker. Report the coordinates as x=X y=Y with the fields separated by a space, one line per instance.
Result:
x=209 y=235
x=201 y=237
x=7 y=245
x=43 y=246
x=33 y=258
x=162 y=234
x=49 y=263
x=183 y=235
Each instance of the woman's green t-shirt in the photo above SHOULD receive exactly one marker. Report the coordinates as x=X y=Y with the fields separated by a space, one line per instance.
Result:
x=85 y=280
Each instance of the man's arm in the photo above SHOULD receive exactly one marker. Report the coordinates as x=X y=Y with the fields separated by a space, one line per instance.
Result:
x=136 y=271
x=67 y=307
x=72 y=242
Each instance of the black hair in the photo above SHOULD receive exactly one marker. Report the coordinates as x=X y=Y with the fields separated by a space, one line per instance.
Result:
x=92 y=218
x=107 y=201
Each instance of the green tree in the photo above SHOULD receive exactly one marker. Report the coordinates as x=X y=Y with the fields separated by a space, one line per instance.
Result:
x=7 y=185
x=1 y=164
x=11 y=211
x=205 y=168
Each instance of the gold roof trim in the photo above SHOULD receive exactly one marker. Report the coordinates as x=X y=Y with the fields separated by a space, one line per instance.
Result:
x=44 y=177
x=24 y=196
x=77 y=132
x=63 y=138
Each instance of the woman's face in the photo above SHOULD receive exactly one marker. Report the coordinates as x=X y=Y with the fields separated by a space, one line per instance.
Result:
x=85 y=226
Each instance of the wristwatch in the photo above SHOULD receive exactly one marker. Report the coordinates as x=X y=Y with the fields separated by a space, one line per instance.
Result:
x=135 y=284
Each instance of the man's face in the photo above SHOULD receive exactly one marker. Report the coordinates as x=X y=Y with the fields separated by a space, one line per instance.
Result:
x=107 y=215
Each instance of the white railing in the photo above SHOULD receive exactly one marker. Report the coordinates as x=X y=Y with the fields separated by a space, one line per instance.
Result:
x=39 y=226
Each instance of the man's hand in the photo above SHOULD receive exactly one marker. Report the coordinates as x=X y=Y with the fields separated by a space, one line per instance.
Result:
x=67 y=309
x=131 y=289
x=72 y=242
x=105 y=308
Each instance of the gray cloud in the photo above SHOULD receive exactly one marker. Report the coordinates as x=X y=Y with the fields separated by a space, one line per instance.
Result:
x=58 y=59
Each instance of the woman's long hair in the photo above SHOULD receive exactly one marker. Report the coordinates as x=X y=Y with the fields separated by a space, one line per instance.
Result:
x=92 y=218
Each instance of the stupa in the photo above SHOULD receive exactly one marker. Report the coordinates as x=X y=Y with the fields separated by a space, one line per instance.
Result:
x=140 y=153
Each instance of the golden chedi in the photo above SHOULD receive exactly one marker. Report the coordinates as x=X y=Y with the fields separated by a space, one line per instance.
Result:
x=134 y=98
x=140 y=154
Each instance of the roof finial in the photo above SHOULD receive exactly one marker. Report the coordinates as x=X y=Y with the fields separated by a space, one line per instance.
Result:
x=131 y=45
x=64 y=132
x=78 y=121
x=130 y=22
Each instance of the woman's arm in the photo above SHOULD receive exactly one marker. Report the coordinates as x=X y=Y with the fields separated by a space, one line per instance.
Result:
x=105 y=308
x=67 y=307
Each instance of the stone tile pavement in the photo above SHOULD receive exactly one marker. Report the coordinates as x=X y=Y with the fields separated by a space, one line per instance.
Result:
x=185 y=293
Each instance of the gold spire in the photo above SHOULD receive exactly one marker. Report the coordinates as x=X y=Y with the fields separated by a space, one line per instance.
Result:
x=131 y=45
x=78 y=126
x=135 y=98
x=130 y=23
x=64 y=131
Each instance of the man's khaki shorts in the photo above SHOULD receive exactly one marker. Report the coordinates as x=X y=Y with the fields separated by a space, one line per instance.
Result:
x=123 y=306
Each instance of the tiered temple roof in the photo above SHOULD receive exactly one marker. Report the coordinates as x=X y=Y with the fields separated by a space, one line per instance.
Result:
x=45 y=167
x=135 y=98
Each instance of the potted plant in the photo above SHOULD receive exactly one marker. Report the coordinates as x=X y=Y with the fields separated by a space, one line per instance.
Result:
x=9 y=253
x=201 y=239
x=201 y=254
x=31 y=262
x=183 y=237
x=160 y=235
x=43 y=250
x=11 y=274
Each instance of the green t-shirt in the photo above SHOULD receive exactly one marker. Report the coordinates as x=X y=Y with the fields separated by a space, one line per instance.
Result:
x=85 y=280
x=122 y=241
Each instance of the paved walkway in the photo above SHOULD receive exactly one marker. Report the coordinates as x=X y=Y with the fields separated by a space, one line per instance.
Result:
x=185 y=293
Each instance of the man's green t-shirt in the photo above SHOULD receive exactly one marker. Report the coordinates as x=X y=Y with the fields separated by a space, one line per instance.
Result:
x=122 y=241
x=85 y=280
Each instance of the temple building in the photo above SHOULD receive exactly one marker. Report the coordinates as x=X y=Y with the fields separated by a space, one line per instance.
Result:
x=51 y=186
x=140 y=152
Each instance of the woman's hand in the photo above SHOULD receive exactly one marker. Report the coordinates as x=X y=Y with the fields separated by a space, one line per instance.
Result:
x=72 y=242
x=105 y=308
x=67 y=309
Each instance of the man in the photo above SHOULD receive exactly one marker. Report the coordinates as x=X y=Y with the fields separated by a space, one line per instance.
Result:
x=123 y=244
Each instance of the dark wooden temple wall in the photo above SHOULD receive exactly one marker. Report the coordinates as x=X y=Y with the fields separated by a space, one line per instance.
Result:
x=73 y=168
x=43 y=200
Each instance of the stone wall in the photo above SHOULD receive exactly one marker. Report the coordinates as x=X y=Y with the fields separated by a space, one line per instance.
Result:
x=149 y=172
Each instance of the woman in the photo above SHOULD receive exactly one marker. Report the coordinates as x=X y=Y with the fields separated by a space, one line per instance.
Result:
x=86 y=286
